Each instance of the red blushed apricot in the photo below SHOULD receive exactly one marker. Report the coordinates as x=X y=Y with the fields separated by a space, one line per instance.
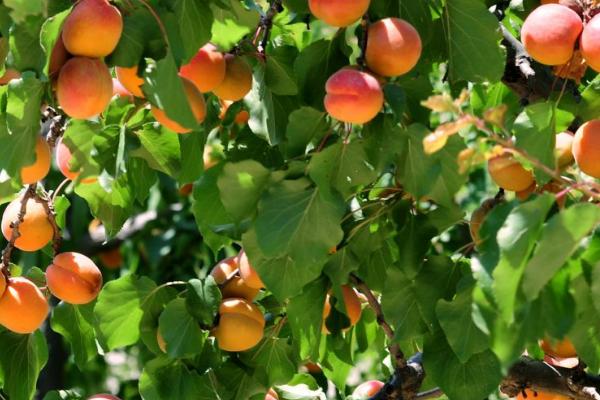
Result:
x=35 y=230
x=339 y=13
x=586 y=148
x=367 y=389
x=241 y=325
x=509 y=174
x=58 y=57
x=206 y=70
x=74 y=278
x=40 y=167
x=564 y=149
x=549 y=33
x=9 y=75
x=560 y=349
x=272 y=395
x=590 y=43
x=84 y=87
x=393 y=48
x=238 y=79
x=196 y=102
x=112 y=258
x=130 y=79
x=352 y=303
x=93 y=29
x=248 y=273
x=103 y=397
x=530 y=394
x=353 y=96
x=63 y=159
x=23 y=307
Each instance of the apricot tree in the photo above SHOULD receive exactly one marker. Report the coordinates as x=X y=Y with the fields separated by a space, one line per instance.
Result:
x=299 y=200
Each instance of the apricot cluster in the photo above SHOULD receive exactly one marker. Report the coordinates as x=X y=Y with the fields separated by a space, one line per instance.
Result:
x=352 y=303
x=90 y=32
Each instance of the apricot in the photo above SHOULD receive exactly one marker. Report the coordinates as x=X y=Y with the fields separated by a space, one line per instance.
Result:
x=119 y=89
x=186 y=190
x=241 y=117
x=74 y=278
x=23 y=307
x=103 y=397
x=58 y=57
x=353 y=96
x=111 y=258
x=586 y=148
x=549 y=34
x=35 y=230
x=196 y=102
x=561 y=349
x=129 y=78
x=338 y=13
x=40 y=167
x=509 y=174
x=84 y=87
x=352 y=303
x=241 y=325
x=531 y=395
x=523 y=195
x=92 y=29
x=63 y=160
x=160 y=340
x=393 y=48
x=225 y=271
x=248 y=273
x=313 y=368
x=367 y=389
x=206 y=69
x=9 y=75
x=563 y=149
x=589 y=43
x=272 y=395
x=238 y=79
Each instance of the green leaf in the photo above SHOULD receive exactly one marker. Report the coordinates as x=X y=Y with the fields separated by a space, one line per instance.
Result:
x=139 y=32
x=242 y=384
x=25 y=47
x=203 y=299
x=400 y=306
x=76 y=325
x=50 y=34
x=276 y=357
x=306 y=125
x=79 y=138
x=279 y=73
x=191 y=145
x=160 y=148
x=340 y=265
x=414 y=241
x=153 y=306
x=21 y=9
x=141 y=178
x=181 y=332
x=195 y=20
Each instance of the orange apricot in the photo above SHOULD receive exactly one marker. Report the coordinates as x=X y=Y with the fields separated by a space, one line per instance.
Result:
x=196 y=102
x=238 y=79
x=92 y=29
x=272 y=395
x=353 y=96
x=586 y=148
x=590 y=43
x=35 y=230
x=523 y=195
x=367 y=389
x=129 y=78
x=393 y=48
x=241 y=117
x=561 y=349
x=40 y=167
x=206 y=69
x=103 y=397
x=563 y=149
x=84 y=87
x=248 y=273
x=549 y=34
x=531 y=395
x=352 y=303
x=23 y=307
x=313 y=368
x=162 y=344
x=74 y=278
x=63 y=160
x=111 y=258
x=338 y=13
x=241 y=325
x=9 y=75
x=225 y=271
x=58 y=57
x=508 y=173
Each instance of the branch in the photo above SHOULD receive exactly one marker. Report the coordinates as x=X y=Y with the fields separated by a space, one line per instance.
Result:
x=364 y=40
x=266 y=22
x=55 y=127
x=7 y=252
x=48 y=204
x=405 y=383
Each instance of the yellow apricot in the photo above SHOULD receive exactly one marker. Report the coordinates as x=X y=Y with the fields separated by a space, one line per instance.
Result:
x=196 y=102
x=560 y=349
x=40 y=167
x=564 y=149
x=23 y=307
x=74 y=278
x=241 y=325
x=206 y=70
x=35 y=230
x=129 y=78
x=531 y=395
x=225 y=271
x=509 y=174
x=248 y=273
x=339 y=13
x=238 y=79
x=586 y=148
x=393 y=48
x=352 y=303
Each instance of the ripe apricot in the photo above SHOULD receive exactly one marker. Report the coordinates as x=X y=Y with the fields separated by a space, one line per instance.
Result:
x=40 y=167
x=586 y=148
x=35 y=230
x=84 y=87
x=206 y=69
x=238 y=79
x=523 y=195
x=393 y=48
x=129 y=78
x=119 y=89
x=23 y=307
x=508 y=173
x=9 y=75
x=63 y=160
x=549 y=33
x=352 y=303
x=590 y=43
x=353 y=96
x=560 y=349
x=162 y=345
x=225 y=271
x=93 y=29
x=367 y=389
x=111 y=258
x=58 y=57
x=103 y=397
x=241 y=325
x=248 y=273
x=531 y=395
x=74 y=278
x=241 y=117
x=196 y=102
x=338 y=13
x=563 y=149
x=272 y=395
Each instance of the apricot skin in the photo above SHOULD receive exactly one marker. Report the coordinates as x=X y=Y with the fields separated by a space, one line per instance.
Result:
x=590 y=43
x=129 y=78
x=241 y=325
x=272 y=395
x=23 y=307
x=63 y=159
x=74 y=278
x=586 y=148
x=111 y=258
x=549 y=33
x=236 y=287
x=84 y=87
x=367 y=389
x=238 y=79
x=338 y=13
x=560 y=349
x=58 y=57
x=206 y=69
x=93 y=29
x=35 y=229
x=540 y=396
x=352 y=303
x=248 y=273
x=353 y=96
x=40 y=167
x=196 y=102
x=509 y=174
x=394 y=47
x=9 y=75
x=564 y=149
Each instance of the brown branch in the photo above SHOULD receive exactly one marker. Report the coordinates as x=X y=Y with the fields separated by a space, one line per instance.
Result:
x=56 y=126
x=364 y=40
x=48 y=204
x=15 y=234
x=266 y=24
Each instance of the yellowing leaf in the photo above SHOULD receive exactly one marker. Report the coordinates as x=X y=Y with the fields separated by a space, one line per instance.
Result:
x=440 y=103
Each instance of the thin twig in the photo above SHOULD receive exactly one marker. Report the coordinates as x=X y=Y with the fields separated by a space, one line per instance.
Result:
x=364 y=23
x=15 y=234
x=266 y=24
x=430 y=394
x=48 y=204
